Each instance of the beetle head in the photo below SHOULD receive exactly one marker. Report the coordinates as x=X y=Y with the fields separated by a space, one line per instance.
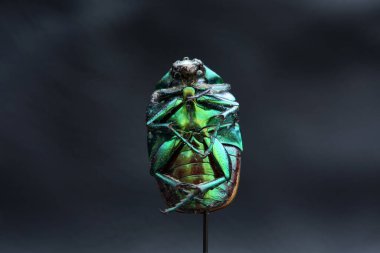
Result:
x=187 y=71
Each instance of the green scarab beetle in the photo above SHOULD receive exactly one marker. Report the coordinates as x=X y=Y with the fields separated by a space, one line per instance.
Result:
x=194 y=139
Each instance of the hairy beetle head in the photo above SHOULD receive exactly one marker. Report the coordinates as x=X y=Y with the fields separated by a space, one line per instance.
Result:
x=187 y=71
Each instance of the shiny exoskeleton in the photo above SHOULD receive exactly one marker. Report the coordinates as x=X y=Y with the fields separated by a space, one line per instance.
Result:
x=194 y=138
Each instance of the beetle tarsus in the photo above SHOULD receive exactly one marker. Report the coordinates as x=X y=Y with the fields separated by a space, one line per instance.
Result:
x=180 y=203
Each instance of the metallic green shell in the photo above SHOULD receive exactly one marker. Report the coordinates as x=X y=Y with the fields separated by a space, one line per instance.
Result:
x=195 y=121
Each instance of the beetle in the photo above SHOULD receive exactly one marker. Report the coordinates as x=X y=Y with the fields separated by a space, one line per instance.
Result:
x=194 y=140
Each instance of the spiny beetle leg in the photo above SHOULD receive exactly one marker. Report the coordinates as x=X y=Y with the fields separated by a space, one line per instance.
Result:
x=212 y=184
x=169 y=125
x=222 y=160
x=161 y=158
x=171 y=106
x=184 y=201
x=199 y=95
x=213 y=138
x=183 y=188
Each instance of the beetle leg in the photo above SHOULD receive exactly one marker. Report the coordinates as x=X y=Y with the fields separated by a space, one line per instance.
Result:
x=160 y=160
x=222 y=117
x=187 y=142
x=212 y=184
x=176 y=103
x=192 y=191
x=220 y=87
x=161 y=94
x=200 y=94
x=194 y=195
x=162 y=157
x=230 y=111
x=198 y=198
x=170 y=108
x=167 y=179
x=213 y=100
x=183 y=201
x=213 y=137
x=169 y=126
x=219 y=103
x=226 y=106
x=222 y=160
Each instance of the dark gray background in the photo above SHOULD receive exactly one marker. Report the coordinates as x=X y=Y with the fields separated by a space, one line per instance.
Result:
x=76 y=76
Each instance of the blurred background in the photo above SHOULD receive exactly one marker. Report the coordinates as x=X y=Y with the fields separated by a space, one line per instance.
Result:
x=75 y=79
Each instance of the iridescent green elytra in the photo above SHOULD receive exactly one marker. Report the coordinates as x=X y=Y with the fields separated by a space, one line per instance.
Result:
x=194 y=138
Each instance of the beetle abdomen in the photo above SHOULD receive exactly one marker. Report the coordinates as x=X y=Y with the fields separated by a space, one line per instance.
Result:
x=190 y=167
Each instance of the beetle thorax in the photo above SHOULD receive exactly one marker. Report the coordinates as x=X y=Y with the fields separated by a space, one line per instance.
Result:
x=188 y=92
